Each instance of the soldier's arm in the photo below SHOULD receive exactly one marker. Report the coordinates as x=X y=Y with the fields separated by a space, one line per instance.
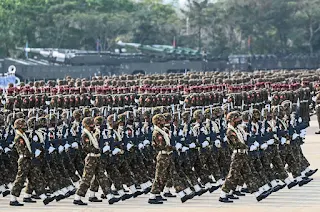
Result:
x=234 y=141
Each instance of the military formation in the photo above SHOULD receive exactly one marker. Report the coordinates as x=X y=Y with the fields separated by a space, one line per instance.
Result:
x=132 y=135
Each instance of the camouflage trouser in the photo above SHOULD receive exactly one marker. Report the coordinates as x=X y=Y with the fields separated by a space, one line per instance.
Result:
x=138 y=168
x=8 y=168
x=239 y=169
x=272 y=156
x=59 y=171
x=287 y=157
x=93 y=168
x=182 y=176
x=304 y=111
x=222 y=156
x=124 y=170
x=70 y=168
x=201 y=170
x=33 y=174
x=187 y=168
x=165 y=170
x=148 y=160
x=49 y=178
x=258 y=170
x=300 y=158
x=212 y=168
x=77 y=160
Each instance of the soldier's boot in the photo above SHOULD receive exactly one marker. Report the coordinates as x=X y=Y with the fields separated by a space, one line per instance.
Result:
x=47 y=200
x=94 y=199
x=292 y=184
x=311 y=172
x=214 y=188
x=60 y=197
x=5 y=193
x=225 y=200
x=29 y=200
x=161 y=198
x=168 y=194
x=35 y=197
x=239 y=194
x=231 y=196
x=154 y=199
x=305 y=181
x=317 y=133
x=15 y=203
x=245 y=190
x=79 y=202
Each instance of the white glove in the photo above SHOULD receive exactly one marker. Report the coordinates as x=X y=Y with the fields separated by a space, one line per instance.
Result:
x=299 y=119
x=292 y=122
x=129 y=146
x=35 y=138
x=60 y=149
x=140 y=146
x=314 y=98
x=225 y=139
x=263 y=130
x=304 y=131
x=115 y=151
x=66 y=134
x=6 y=150
x=180 y=133
x=106 y=148
x=217 y=143
x=270 y=142
x=178 y=146
x=104 y=135
x=146 y=142
x=11 y=145
x=192 y=145
x=256 y=144
x=205 y=144
x=184 y=149
x=6 y=135
x=294 y=136
x=75 y=145
x=51 y=149
x=264 y=146
x=283 y=140
x=1 y=148
x=37 y=152
x=137 y=133
x=67 y=146
x=302 y=135
x=253 y=148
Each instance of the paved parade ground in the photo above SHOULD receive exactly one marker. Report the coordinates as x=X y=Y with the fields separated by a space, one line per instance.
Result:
x=306 y=198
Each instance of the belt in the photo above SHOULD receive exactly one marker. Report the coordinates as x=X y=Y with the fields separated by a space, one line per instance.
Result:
x=243 y=151
x=165 y=152
x=94 y=155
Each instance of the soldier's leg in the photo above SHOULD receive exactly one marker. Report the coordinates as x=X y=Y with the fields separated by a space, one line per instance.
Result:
x=232 y=178
x=24 y=166
x=278 y=164
x=161 y=175
x=88 y=174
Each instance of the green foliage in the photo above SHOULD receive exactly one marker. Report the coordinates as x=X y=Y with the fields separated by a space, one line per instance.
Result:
x=220 y=28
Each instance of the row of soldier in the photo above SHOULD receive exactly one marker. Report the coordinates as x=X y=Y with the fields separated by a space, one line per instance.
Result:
x=125 y=146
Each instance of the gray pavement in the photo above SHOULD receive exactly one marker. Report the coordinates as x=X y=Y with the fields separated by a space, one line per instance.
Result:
x=298 y=199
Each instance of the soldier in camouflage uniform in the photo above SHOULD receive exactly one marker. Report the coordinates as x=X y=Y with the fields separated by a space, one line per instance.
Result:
x=165 y=168
x=25 y=167
x=240 y=163
x=92 y=166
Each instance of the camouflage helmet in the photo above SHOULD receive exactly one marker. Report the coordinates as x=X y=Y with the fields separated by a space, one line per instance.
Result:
x=32 y=122
x=197 y=114
x=246 y=115
x=20 y=124
x=157 y=119
x=42 y=122
x=98 y=121
x=256 y=114
x=185 y=115
x=76 y=114
x=234 y=115
x=167 y=117
x=88 y=122
x=207 y=113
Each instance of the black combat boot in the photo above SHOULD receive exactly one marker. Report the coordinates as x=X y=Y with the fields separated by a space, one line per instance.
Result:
x=168 y=194
x=29 y=200
x=155 y=201
x=79 y=202
x=47 y=200
x=239 y=194
x=225 y=200
x=94 y=199
x=15 y=203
